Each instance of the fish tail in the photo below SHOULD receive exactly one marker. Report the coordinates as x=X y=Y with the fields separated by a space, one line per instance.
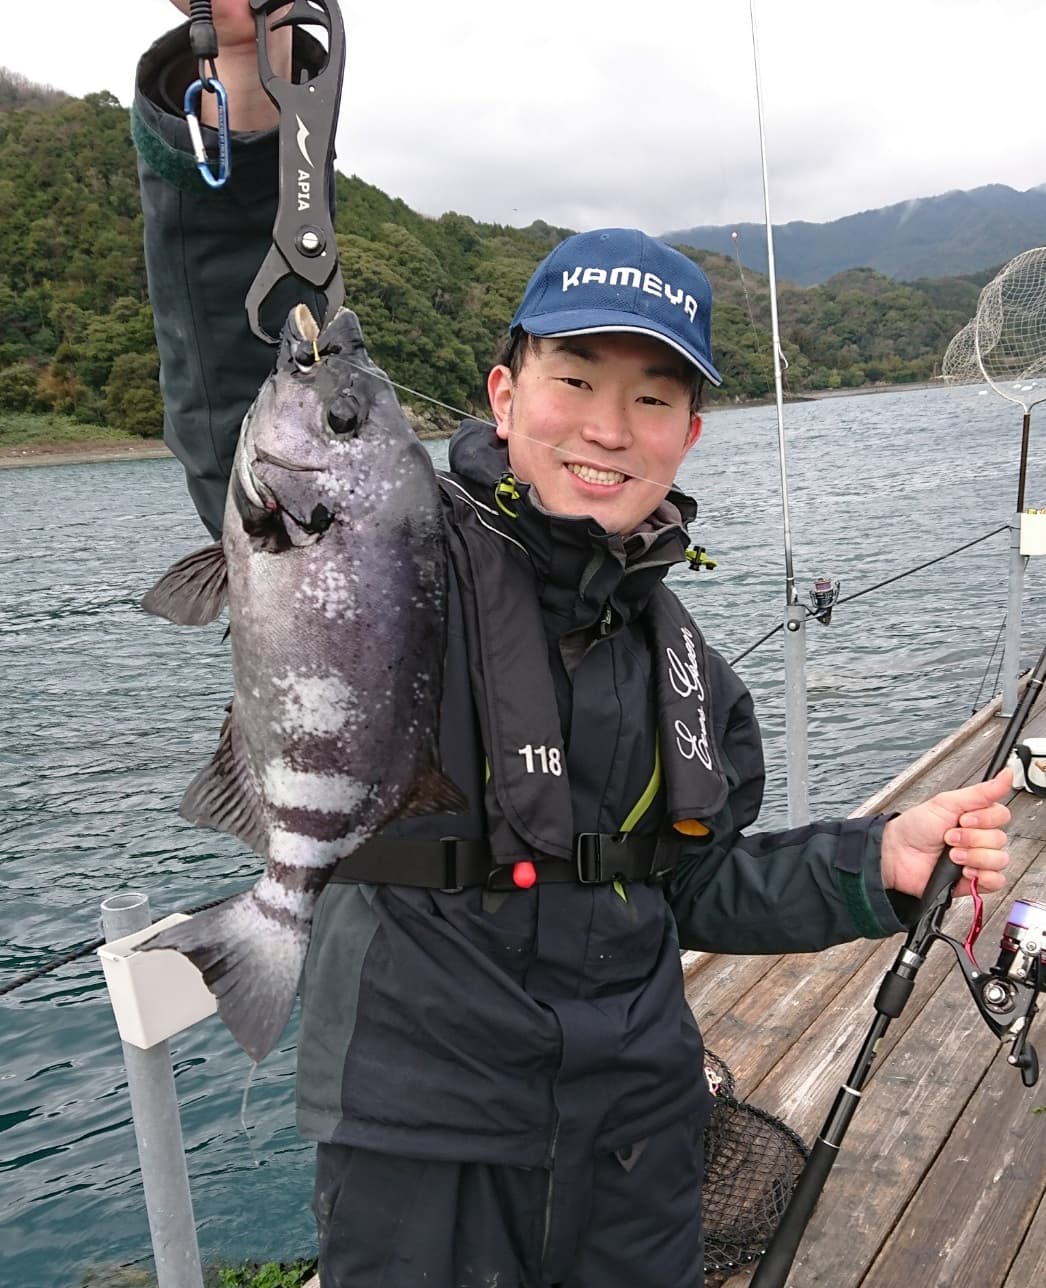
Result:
x=250 y=962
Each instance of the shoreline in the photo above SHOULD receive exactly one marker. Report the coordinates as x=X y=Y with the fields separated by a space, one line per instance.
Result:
x=82 y=453
x=152 y=449
x=90 y=453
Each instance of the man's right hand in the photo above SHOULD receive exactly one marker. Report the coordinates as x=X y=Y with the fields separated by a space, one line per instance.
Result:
x=249 y=106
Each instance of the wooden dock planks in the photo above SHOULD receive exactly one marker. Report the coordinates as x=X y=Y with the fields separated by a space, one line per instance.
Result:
x=1029 y=1265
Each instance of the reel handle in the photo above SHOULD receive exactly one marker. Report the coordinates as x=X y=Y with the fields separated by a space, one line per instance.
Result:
x=1028 y=1063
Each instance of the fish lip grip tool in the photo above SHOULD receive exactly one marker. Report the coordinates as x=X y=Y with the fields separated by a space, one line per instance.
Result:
x=303 y=241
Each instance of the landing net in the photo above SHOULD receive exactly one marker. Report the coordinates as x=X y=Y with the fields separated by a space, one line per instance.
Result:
x=1005 y=342
x=752 y=1162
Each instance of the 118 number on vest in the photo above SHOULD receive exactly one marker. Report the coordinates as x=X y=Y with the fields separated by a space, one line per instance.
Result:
x=542 y=760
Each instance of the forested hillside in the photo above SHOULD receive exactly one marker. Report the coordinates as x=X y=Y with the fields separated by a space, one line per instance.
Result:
x=434 y=295
x=19 y=91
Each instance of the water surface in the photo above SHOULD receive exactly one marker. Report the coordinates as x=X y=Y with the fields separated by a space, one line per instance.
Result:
x=108 y=713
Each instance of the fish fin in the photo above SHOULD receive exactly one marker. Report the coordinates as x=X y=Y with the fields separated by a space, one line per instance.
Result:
x=223 y=794
x=434 y=793
x=192 y=591
x=250 y=964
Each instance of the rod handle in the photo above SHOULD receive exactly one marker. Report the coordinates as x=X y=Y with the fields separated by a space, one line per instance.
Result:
x=776 y=1261
x=943 y=878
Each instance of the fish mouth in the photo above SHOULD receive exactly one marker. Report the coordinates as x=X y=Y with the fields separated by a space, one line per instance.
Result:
x=270 y=458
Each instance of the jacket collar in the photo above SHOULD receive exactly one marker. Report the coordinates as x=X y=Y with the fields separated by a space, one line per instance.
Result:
x=582 y=570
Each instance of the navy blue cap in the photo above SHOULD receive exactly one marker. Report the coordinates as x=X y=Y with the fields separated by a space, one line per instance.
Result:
x=619 y=279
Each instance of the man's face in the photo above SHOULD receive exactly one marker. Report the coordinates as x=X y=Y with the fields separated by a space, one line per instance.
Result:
x=597 y=424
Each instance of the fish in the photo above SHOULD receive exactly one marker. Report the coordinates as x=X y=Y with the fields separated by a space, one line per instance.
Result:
x=332 y=564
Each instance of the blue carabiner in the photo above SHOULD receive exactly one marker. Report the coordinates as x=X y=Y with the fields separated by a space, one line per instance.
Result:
x=192 y=119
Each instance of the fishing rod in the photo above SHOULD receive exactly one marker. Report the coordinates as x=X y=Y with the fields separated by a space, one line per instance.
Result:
x=1005 y=995
x=796 y=747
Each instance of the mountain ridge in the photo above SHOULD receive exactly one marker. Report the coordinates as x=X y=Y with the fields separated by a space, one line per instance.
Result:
x=952 y=234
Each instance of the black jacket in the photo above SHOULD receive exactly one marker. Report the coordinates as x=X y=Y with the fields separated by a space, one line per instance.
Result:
x=476 y=1025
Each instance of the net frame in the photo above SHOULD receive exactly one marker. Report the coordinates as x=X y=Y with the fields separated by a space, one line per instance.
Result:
x=960 y=365
x=752 y=1163
x=1005 y=342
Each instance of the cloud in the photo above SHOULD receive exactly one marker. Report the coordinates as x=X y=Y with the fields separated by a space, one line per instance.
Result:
x=569 y=113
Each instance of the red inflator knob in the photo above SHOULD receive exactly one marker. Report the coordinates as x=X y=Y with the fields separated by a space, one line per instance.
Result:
x=524 y=874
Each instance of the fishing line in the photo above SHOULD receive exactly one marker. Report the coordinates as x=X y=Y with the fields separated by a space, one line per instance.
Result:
x=85 y=950
x=416 y=393
x=243 y=1116
x=751 y=316
x=810 y=612
x=988 y=667
x=919 y=567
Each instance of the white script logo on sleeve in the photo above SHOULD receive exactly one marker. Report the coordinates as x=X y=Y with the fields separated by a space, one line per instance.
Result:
x=685 y=678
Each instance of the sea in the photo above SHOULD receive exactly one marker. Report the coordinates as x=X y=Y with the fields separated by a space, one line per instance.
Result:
x=107 y=713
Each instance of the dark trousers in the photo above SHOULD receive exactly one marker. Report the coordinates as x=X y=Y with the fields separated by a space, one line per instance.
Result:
x=625 y=1220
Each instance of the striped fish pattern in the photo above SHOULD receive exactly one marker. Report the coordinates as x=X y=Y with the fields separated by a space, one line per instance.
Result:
x=332 y=564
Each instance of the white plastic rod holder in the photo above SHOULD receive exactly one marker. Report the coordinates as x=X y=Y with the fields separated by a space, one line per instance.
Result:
x=158 y=1130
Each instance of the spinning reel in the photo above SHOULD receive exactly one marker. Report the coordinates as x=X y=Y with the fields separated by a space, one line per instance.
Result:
x=1007 y=993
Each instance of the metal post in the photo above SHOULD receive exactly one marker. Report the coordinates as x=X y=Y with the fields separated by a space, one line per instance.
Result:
x=1011 y=657
x=157 y=1129
x=795 y=715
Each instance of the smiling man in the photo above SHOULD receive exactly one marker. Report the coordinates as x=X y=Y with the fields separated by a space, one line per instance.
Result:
x=496 y=1058
x=599 y=391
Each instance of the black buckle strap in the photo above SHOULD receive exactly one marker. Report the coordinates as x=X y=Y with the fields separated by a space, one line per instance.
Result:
x=449 y=864
x=453 y=864
x=452 y=882
x=600 y=857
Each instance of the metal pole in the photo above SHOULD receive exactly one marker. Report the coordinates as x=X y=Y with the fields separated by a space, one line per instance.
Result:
x=795 y=716
x=1023 y=474
x=1011 y=656
x=157 y=1129
x=794 y=616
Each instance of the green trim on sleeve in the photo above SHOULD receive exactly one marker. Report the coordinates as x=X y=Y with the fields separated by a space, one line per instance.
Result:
x=859 y=906
x=178 y=168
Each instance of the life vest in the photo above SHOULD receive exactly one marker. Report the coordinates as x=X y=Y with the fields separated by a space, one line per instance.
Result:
x=525 y=802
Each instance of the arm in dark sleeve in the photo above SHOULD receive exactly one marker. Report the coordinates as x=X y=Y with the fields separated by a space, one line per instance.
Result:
x=203 y=248
x=796 y=890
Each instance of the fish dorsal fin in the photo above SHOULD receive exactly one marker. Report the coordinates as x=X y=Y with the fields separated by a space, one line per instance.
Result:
x=223 y=794
x=192 y=591
x=434 y=793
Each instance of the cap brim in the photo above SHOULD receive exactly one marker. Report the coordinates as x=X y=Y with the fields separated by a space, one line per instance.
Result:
x=550 y=325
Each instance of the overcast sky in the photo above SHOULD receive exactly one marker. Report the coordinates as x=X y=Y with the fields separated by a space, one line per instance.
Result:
x=529 y=110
